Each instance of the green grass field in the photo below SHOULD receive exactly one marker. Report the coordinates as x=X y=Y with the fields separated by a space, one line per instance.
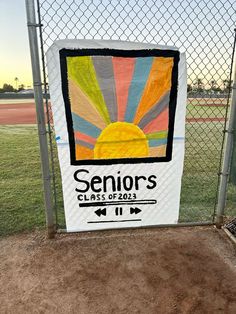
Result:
x=21 y=201
x=194 y=110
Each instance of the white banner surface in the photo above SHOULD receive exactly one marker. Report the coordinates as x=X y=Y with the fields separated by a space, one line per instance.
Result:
x=119 y=116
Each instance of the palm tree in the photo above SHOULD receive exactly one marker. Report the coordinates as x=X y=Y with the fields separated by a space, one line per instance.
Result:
x=199 y=84
x=227 y=84
x=213 y=84
x=16 y=80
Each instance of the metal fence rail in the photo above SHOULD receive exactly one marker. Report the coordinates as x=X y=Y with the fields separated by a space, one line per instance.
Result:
x=205 y=30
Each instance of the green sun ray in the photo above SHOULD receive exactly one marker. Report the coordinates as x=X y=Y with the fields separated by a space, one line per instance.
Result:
x=81 y=70
x=157 y=135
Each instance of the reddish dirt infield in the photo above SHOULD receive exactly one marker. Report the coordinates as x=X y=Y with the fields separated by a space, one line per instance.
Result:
x=215 y=119
x=21 y=113
x=166 y=271
x=25 y=113
x=211 y=105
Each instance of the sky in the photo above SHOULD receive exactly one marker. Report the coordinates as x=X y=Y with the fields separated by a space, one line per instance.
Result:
x=204 y=29
x=14 y=51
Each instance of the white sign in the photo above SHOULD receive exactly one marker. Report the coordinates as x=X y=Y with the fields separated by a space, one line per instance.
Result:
x=119 y=116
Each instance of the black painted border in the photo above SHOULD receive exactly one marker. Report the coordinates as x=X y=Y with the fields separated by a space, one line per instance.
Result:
x=64 y=53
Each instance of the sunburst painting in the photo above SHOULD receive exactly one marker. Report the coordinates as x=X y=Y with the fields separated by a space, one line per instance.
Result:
x=120 y=105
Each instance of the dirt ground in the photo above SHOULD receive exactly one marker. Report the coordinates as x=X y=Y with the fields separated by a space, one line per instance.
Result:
x=187 y=270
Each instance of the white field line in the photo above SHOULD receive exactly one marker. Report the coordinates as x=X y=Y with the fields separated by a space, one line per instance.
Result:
x=16 y=101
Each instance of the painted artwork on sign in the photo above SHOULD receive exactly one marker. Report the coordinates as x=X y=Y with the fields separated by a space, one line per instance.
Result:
x=119 y=117
x=120 y=105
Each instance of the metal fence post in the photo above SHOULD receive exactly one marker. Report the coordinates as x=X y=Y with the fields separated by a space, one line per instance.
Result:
x=227 y=155
x=42 y=132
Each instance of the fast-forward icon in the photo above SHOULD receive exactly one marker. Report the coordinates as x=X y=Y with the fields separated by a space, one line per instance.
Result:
x=135 y=210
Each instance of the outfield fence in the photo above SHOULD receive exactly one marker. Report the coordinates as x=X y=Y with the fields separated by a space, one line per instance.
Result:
x=205 y=31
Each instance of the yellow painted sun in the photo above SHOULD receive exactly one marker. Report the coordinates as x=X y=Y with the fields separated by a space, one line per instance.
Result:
x=121 y=140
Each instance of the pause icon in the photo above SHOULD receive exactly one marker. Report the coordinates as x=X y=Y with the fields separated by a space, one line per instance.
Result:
x=119 y=211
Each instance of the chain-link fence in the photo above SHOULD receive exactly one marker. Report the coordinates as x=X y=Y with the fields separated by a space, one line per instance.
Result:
x=202 y=28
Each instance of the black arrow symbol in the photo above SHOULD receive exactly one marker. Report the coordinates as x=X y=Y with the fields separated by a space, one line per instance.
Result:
x=100 y=212
x=135 y=210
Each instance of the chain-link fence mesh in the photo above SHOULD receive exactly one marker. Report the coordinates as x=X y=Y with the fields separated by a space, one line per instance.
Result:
x=202 y=28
